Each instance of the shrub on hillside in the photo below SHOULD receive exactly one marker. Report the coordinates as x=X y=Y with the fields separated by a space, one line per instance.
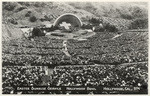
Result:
x=139 y=13
x=110 y=28
x=42 y=19
x=39 y=4
x=126 y=16
x=13 y=21
x=88 y=26
x=33 y=18
x=37 y=32
x=106 y=27
x=9 y=6
x=140 y=23
x=95 y=21
x=99 y=29
x=25 y=3
x=48 y=18
x=28 y=14
x=20 y=9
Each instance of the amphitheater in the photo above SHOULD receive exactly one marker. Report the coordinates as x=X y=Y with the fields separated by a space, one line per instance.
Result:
x=68 y=19
x=69 y=27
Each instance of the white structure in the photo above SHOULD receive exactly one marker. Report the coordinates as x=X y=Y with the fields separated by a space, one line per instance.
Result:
x=27 y=31
x=65 y=25
x=67 y=20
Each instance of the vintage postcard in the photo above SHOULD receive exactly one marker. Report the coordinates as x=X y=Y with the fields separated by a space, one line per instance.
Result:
x=77 y=47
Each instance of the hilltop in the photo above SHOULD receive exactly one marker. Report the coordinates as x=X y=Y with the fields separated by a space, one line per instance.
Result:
x=18 y=14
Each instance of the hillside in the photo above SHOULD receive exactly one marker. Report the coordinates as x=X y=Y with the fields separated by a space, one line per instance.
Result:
x=114 y=54
x=119 y=14
x=114 y=10
x=10 y=32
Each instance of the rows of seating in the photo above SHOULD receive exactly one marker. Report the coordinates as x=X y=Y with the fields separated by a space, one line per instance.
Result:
x=14 y=76
x=101 y=48
x=103 y=75
x=125 y=75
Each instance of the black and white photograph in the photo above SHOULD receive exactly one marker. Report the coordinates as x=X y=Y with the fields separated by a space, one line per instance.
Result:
x=74 y=47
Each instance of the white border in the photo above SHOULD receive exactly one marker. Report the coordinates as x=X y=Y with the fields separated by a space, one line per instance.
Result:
x=72 y=1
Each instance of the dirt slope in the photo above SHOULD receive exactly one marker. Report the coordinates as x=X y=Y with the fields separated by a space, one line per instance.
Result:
x=10 y=32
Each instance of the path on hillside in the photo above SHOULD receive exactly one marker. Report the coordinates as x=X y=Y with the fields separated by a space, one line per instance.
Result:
x=65 y=49
x=116 y=36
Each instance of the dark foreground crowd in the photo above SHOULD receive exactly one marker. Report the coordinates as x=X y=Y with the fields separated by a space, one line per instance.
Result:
x=128 y=75
x=21 y=76
x=103 y=75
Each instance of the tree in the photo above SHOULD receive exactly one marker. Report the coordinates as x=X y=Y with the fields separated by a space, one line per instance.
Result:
x=110 y=28
x=94 y=21
x=33 y=18
x=140 y=23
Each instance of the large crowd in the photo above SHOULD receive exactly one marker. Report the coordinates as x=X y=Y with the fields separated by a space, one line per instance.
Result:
x=40 y=51
x=125 y=75
x=101 y=48
x=129 y=47
x=104 y=51
x=14 y=76
x=102 y=75
x=132 y=75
